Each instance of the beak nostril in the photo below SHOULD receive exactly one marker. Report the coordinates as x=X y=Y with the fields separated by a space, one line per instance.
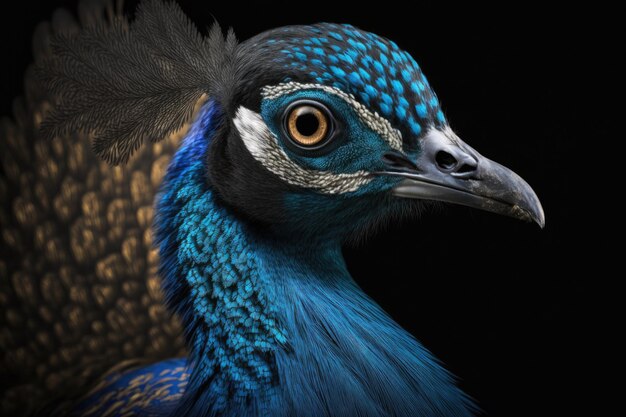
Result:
x=445 y=160
x=459 y=167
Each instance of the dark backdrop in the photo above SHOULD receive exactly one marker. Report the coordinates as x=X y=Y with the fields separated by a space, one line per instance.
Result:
x=506 y=306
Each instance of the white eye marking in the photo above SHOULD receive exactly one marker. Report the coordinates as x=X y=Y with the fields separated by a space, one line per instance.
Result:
x=372 y=120
x=263 y=146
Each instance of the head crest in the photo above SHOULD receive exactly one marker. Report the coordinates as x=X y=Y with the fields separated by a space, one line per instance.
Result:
x=125 y=82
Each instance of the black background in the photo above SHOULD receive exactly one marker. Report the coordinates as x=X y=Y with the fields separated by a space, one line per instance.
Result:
x=508 y=307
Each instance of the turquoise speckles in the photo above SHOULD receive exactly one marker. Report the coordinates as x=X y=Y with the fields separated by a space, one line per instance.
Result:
x=346 y=58
x=204 y=250
x=371 y=68
x=366 y=62
x=401 y=112
x=383 y=59
x=352 y=53
x=379 y=67
x=355 y=78
x=364 y=74
x=397 y=57
x=397 y=87
x=335 y=35
x=421 y=110
x=338 y=71
x=371 y=91
x=382 y=46
x=415 y=127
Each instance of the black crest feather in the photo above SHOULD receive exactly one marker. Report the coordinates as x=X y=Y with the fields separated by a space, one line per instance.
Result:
x=125 y=82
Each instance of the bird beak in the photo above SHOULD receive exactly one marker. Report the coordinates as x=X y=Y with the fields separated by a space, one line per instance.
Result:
x=449 y=170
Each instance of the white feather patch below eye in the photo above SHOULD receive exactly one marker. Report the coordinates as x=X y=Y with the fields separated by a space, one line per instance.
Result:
x=263 y=146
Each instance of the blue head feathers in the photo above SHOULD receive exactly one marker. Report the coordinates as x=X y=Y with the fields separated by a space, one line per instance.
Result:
x=373 y=69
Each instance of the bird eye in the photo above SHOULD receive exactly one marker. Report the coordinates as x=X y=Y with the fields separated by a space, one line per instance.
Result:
x=308 y=124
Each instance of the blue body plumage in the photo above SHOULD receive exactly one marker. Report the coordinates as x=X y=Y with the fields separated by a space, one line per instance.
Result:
x=141 y=391
x=277 y=329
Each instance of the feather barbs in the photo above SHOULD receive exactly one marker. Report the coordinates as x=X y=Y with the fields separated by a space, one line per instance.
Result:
x=127 y=82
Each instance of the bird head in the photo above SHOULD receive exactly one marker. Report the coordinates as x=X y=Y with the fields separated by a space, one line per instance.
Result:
x=323 y=128
x=334 y=128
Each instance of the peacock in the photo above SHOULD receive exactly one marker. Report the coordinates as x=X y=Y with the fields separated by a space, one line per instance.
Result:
x=188 y=262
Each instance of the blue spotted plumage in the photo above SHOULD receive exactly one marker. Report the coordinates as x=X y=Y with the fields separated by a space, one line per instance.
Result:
x=207 y=256
x=372 y=68
x=306 y=137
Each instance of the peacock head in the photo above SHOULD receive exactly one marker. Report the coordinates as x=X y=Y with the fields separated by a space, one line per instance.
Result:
x=335 y=128
x=323 y=128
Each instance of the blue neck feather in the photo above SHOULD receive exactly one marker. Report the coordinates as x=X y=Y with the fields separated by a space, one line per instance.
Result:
x=279 y=329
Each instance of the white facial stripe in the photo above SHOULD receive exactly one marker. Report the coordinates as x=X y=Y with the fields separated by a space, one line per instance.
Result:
x=264 y=147
x=373 y=120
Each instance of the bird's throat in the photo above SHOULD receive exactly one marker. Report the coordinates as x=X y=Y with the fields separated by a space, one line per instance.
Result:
x=230 y=284
x=212 y=279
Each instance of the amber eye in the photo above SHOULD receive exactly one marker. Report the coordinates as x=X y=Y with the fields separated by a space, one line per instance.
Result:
x=307 y=124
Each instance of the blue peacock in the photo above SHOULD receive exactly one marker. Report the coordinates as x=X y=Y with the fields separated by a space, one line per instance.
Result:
x=292 y=143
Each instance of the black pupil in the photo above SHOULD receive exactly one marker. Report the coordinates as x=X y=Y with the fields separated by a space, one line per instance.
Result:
x=307 y=124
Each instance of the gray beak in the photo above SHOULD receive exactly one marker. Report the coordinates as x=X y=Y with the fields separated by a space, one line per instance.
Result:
x=449 y=170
